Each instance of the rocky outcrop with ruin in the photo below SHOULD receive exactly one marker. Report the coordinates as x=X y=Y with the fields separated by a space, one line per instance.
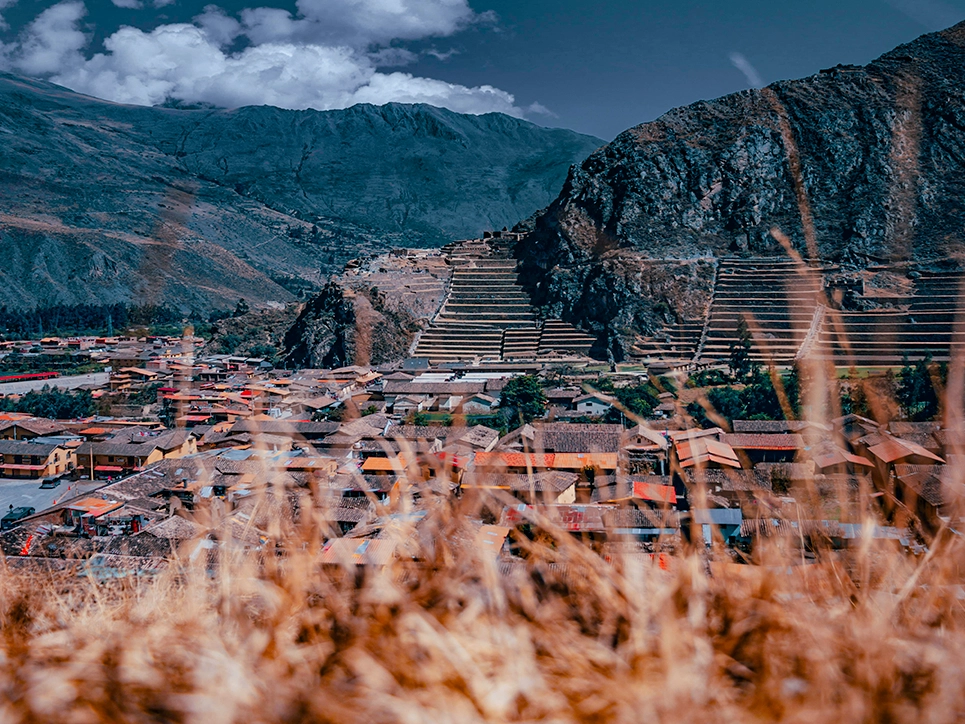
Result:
x=855 y=165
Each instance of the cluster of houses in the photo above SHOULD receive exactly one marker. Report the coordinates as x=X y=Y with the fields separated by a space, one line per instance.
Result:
x=234 y=447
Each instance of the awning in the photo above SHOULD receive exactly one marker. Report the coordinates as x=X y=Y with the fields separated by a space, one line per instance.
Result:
x=108 y=469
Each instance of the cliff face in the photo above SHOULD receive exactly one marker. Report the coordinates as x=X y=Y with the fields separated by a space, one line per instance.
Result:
x=854 y=165
x=104 y=203
x=344 y=326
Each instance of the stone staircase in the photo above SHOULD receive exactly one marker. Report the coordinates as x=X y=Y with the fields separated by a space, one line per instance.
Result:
x=488 y=315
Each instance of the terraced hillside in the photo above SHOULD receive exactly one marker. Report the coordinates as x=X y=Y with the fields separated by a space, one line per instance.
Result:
x=879 y=316
x=856 y=166
x=928 y=321
x=488 y=315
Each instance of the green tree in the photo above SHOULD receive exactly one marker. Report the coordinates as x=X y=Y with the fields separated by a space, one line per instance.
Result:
x=52 y=403
x=523 y=398
x=740 y=351
x=916 y=391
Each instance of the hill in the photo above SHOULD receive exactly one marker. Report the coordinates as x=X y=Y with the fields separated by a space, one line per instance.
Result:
x=856 y=166
x=101 y=202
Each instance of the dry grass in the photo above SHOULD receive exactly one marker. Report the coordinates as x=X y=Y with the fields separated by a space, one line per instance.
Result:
x=872 y=635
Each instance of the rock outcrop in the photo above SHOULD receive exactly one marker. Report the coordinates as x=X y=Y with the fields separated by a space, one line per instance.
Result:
x=855 y=165
x=344 y=326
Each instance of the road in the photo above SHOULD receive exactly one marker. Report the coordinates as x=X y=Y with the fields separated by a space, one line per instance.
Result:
x=28 y=493
x=64 y=383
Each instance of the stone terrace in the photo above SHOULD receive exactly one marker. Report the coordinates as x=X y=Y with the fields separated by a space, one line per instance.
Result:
x=777 y=296
x=487 y=314
x=921 y=324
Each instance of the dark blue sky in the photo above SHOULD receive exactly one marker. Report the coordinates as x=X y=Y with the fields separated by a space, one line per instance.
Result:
x=597 y=67
x=604 y=67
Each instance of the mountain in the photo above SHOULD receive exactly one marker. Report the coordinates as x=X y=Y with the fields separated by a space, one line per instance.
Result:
x=855 y=165
x=103 y=203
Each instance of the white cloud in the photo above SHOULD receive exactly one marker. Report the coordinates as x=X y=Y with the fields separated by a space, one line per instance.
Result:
x=360 y=23
x=538 y=109
x=129 y=4
x=219 y=28
x=163 y=3
x=52 y=41
x=405 y=88
x=440 y=55
x=192 y=62
x=739 y=61
x=4 y=4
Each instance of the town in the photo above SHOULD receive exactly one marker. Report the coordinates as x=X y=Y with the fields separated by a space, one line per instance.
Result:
x=160 y=451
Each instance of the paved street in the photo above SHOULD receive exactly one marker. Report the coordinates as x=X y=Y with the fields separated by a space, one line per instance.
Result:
x=28 y=493
x=64 y=383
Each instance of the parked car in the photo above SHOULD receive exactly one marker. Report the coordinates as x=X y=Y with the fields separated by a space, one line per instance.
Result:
x=14 y=516
x=48 y=483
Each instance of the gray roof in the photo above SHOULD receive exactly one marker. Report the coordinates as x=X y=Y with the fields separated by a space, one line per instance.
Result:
x=25 y=447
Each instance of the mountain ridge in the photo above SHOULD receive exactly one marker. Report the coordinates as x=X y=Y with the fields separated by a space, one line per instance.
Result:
x=107 y=203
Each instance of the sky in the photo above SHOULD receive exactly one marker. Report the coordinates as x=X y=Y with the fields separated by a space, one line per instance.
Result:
x=595 y=67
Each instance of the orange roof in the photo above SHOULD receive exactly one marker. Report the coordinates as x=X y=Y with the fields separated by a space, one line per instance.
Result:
x=895 y=449
x=514 y=460
x=383 y=464
x=578 y=461
x=654 y=493
x=95 y=506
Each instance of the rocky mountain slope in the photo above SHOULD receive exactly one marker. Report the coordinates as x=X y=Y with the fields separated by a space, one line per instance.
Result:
x=856 y=165
x=101 y=202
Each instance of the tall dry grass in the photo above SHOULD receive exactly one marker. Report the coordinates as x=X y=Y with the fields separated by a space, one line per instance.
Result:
x=446 y=634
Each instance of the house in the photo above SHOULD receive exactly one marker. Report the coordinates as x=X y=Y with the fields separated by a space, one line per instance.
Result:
x=394 y=389
x=130 y=451
x=32 y=460
x=653 y=494
x=756 y=448
x=479 y=404
x=562 y=398
x=28 y=428
x=512 y=462
x=88 y=514
x=722 y=522
x=565 y=437
x=886 y=451
x=705 y=452
x=548 y=487
x=646 y=450
x=829 y=459
x=407 y=404
x=594 y=404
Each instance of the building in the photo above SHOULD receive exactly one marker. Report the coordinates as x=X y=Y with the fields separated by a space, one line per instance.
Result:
x=32 y=460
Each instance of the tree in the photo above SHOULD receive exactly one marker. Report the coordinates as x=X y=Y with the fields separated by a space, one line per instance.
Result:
x=740 y=350
x=52 y=403
x=523 y=398
x=916 y=389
